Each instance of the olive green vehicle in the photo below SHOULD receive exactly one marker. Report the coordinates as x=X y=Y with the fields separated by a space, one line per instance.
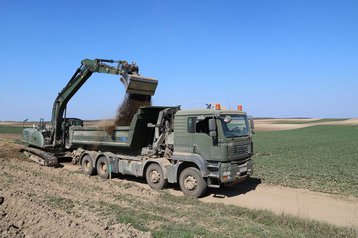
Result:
x=195 y=148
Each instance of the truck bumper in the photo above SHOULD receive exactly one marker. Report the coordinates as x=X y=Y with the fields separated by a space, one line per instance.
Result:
x=231 y=173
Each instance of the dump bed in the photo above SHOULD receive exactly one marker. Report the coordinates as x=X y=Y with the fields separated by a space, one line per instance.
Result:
x=82 y=136
x=130 y=138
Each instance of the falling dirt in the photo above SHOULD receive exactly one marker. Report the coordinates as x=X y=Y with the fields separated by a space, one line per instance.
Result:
x=129 y=107
x=126 y=111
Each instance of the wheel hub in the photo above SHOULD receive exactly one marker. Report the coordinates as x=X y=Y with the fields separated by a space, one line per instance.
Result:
x=103 y=168
x=154 y=176
x=87 y=165
x=190 y=183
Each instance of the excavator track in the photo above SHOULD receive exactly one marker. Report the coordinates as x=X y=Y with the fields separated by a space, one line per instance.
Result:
x=39 y=156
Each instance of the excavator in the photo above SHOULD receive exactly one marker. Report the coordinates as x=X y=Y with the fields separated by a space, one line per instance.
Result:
x=46 y=141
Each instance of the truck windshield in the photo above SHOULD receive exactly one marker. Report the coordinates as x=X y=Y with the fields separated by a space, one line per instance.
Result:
x=237 y=127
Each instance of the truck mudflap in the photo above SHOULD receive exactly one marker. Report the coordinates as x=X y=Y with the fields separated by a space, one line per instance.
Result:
x=39 y=156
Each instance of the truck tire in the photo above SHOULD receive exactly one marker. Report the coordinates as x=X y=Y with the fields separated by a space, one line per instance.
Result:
x=87 y=165
x=192 y=183
x=155 y=177
x=103 y=167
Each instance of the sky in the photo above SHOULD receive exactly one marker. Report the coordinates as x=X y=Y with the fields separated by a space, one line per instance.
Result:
x=277 y=58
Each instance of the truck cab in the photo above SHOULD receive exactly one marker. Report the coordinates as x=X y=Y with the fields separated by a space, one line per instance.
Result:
x=217 y=142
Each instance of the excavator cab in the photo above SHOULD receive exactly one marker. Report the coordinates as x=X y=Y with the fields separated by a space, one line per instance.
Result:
x=136 y=84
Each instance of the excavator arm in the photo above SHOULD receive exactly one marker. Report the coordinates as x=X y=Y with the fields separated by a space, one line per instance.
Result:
x=129 y=76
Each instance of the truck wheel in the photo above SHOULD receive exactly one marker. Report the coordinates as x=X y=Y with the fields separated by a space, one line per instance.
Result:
x=155 y=177
x=103 y=167
x=192 y=183
x=87 y=165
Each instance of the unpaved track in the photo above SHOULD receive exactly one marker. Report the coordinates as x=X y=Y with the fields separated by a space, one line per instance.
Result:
x=297 y=202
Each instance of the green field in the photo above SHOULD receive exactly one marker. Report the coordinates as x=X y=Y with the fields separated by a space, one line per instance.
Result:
x=320 y=158
x=6 y=129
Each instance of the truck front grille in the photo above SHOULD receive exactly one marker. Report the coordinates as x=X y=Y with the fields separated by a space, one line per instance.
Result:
x=240 y=149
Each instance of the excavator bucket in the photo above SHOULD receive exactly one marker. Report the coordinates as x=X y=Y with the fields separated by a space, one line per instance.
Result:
x=135 y=84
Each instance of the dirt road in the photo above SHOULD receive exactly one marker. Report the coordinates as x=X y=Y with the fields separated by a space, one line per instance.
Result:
x=297 y=202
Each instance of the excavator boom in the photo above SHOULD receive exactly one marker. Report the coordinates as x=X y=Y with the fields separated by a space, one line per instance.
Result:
x=129 y=76
x=132 y=81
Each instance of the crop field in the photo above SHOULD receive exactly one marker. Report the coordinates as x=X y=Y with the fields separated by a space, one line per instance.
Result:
x=320 y=158
x=6 y=129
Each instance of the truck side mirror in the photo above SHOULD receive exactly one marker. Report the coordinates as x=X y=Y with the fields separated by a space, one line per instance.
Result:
x=212 y=128
x=212 y=124
x=252 y=124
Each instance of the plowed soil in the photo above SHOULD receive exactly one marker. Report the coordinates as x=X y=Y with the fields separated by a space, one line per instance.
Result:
x=40 y=201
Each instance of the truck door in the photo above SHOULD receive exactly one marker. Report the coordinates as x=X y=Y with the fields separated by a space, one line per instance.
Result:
x=201 y=142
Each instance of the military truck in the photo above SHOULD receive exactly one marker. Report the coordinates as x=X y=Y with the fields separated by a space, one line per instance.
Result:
x=195 y=148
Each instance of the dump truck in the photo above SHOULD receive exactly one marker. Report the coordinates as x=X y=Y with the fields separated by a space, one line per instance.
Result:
x=165 y=144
